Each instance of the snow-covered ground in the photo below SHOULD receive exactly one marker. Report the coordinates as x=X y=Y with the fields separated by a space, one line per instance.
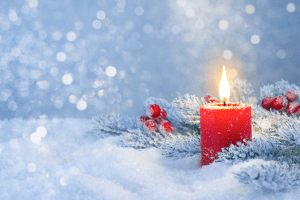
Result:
x=55 y=159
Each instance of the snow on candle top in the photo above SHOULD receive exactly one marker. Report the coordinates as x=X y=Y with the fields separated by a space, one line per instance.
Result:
x=224 y=90
x=219 y=106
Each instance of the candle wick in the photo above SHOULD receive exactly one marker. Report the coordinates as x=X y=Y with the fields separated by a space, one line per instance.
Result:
x=224 y=104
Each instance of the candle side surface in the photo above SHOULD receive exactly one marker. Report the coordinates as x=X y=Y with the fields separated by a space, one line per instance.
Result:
x=221 y=126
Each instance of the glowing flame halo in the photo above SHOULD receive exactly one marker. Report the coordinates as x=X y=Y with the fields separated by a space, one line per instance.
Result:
x=224 y=90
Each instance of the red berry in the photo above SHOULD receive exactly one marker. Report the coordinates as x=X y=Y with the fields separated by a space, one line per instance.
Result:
x=165 y=127
x=150 y=125
x=291 y=95
x=206 y=98
x=159 y=119
x=153 y=110
x=280 y=103
x=267 y=103
x=294 y=108
x=163 y=113
x=142 y=119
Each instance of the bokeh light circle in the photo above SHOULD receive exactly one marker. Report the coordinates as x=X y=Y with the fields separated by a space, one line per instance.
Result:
x=111 y=71
x=291 y=7
x=81 y=105
x=255 y=39
x=67 y=79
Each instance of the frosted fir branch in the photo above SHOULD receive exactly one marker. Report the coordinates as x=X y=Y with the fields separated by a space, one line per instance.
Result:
x=180 y=146
x=139 y=139
x=281 y=128
x=270 y=175
x=288 y=135
x=112 y=125
x=279 y=88
x=189 y=112
x=269 y=122
x=258 y=148
x=174 y=145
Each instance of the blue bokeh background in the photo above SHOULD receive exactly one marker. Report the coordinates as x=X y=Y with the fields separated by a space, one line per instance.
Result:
x=82 y=58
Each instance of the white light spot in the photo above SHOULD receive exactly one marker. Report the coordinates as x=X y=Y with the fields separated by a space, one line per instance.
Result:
x=100 y=14
x=250 y=9
x=255 y=39
x=148 y=28
x=12 y=106
x=81 y=105
x=72 y=99
x=64 y=181
x=281 y=54
x=71 y=36
x=56 y=35
x=111 y=71
x=12 y=15
x=61 y=56
x=101 y=93
x=67 y=79
x=31 y=167
x=291 y=7
x=190 y=13
x=175 y=29
x=227 y=54
x=139 y=10
x=16 y=52
x=74 y=171
x=97 y=24
x=223 y=24
x=199 y=24
x=181 y=3
x=35 y=138
x=41 y=131
x=33 y=3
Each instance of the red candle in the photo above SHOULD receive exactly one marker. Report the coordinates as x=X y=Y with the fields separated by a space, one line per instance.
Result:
x=222 y=124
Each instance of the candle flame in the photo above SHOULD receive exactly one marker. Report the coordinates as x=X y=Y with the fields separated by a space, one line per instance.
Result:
x=224 y=90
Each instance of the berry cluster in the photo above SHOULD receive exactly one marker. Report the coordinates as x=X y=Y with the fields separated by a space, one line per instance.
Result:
x=156 y=120
x=287 y=103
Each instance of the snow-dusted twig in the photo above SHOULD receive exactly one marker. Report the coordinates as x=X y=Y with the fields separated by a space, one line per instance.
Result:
x=270 y=175
x=279 y=88
x=189 y=112
x=258 y=148
x=112 y=125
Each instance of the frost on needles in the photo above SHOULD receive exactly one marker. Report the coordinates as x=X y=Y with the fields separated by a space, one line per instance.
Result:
x=183 y=113
x=276 y=139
